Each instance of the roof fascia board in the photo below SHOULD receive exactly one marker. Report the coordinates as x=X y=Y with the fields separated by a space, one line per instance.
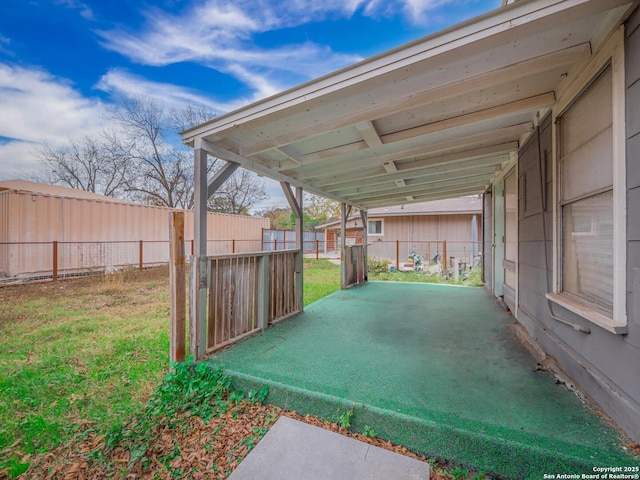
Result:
x=472 y=31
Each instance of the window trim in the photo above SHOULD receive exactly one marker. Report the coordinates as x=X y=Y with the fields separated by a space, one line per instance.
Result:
x=381 y=220
x=612 y=53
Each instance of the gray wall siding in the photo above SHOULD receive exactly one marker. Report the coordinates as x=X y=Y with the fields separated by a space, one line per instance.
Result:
x=632 y=70
x=603 y=364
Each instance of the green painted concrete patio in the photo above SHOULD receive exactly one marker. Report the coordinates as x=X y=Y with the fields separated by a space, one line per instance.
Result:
x=432 y=367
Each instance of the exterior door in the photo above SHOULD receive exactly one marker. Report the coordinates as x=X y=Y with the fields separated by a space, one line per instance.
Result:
x=498 y=238
x=510 y=261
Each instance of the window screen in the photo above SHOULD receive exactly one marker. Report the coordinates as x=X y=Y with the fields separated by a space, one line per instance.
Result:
x=375 y=227
x=586 y=195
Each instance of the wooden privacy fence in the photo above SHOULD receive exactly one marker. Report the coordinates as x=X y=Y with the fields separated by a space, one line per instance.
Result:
x=354 y=265
x=246 y=293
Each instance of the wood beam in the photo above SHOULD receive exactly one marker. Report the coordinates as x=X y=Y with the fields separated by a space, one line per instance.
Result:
x=342 y=179
x=230 y=156
x=390 y=167
x=394 y=152
x=428 y=197
x=416 y=192
x=198 y=281
x=411 y=100
x=421 y=184
x=343 y=251
x=369 y=134
x=364 y=216
x=293 y=201
x=221 y=176
x=290 y=152
x=537 y=101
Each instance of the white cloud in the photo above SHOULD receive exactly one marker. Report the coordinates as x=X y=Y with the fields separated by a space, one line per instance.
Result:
x=122 y=83
x=17 y=159
x=37 y=106
x=85 y=10
x=221 y=37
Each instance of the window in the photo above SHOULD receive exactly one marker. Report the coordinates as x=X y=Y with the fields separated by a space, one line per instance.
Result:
x=375 y=227
x=586 y=195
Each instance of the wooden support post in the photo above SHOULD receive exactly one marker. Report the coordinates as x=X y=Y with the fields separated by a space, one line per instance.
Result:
x=140 y=255
x=343 y=248
x=192 y=249
x=398 y=255
x=198 y=302
x=295 y=202
x=299 y=260
x=177 y=287
x=275 y=244
x=445 y=261
x=55 y=262
x=233 y=246
x=365 y=241
x=317 y=248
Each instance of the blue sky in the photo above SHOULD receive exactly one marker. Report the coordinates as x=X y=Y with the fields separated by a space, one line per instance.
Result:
x=63 y=63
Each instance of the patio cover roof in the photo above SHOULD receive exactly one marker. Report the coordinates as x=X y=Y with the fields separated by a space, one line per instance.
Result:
x=436 y=118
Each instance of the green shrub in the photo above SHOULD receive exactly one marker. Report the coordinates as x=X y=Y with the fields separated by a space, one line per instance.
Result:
x=377 y=265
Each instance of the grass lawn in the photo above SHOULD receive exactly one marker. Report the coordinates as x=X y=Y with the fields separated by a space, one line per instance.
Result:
x=83 y=355
x=85 y=390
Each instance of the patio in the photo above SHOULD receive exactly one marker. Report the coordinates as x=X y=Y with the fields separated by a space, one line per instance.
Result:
x=434 y=368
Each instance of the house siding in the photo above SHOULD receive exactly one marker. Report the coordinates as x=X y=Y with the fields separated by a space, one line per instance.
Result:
x=424 y=235
x=602 y=363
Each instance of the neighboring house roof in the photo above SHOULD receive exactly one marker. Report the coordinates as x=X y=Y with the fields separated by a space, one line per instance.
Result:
x=25 y=186
x=451 y=206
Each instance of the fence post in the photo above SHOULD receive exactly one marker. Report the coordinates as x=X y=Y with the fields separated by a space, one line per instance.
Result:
x=55 y=261
x=445 y=262
x=141 y=262
x=275 y=244
x=192 y=249
x=398 y=255
x=317 y=248
x=233 y=246
x=177 y=287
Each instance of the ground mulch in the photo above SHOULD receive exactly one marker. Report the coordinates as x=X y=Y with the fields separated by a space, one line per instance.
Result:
x=195 y=450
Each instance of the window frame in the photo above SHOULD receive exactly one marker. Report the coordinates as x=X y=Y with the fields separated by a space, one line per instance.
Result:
x=369 y=221
x=611 y=54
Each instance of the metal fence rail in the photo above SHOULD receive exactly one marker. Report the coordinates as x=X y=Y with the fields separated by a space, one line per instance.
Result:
x=30 y=261
x=431 y=253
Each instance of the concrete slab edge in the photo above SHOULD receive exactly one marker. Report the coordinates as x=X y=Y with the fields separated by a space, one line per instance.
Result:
x=499 y=457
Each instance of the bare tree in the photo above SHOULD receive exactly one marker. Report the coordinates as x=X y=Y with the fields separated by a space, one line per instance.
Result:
x=85 y=164
x=242 y=191
x=161 y=165
x=141 y=158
